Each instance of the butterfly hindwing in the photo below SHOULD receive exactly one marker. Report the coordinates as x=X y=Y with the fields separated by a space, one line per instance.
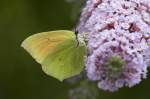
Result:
x=66 y=61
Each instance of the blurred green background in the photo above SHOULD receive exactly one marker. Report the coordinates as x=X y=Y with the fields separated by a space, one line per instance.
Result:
x=20 y=76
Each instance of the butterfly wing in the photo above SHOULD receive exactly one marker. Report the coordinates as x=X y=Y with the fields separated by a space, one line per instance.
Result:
x=66 y=61
x=59 y=53
x=42 y=44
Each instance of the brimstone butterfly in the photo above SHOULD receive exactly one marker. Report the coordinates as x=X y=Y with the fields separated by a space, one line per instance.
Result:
x=59 y=52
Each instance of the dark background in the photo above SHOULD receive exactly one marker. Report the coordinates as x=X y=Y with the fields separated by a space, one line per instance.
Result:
x=20 y=76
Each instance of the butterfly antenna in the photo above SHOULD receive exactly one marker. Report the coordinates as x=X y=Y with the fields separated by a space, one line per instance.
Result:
x=77 y=21
x=76 y=33
x=76 y=30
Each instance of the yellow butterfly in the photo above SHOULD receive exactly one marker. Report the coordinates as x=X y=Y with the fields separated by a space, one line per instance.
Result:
x=59 y=52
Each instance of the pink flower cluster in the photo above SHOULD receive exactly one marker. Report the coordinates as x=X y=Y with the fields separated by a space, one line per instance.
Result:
x=118 y=41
